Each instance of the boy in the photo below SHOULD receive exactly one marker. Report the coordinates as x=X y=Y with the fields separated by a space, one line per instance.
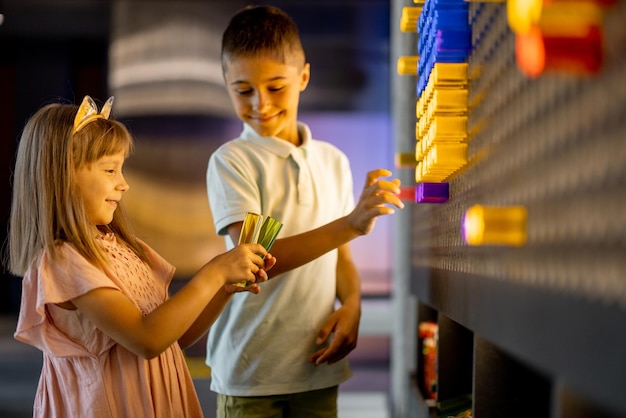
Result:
x=282 y=352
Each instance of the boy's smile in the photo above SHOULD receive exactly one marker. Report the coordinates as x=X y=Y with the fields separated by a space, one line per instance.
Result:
x=265 y=94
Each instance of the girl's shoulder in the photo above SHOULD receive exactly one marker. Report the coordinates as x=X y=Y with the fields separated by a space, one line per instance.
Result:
x=66 y=258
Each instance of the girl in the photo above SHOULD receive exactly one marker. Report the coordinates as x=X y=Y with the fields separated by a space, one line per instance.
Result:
x=94 y=297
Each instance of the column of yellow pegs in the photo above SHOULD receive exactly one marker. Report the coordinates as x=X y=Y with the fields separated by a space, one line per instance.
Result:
x=409 y=18
x=441 y=129
x=407 y=65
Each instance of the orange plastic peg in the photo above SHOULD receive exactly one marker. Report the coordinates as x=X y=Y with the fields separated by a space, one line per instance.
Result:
x=536 y=52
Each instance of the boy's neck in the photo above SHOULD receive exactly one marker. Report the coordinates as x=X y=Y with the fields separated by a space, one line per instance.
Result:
x=292 y=135
x=297 y=140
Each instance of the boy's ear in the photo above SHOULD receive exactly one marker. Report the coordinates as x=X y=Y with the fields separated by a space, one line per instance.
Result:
x=306 y=75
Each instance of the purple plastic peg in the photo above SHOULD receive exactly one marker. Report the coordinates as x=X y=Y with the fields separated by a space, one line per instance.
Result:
x=432 y=192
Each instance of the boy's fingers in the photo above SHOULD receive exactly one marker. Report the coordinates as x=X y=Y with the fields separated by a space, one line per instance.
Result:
x=322 y=336
x=321 y=359
x=328 y=353
x=381 y=196
x=261 y=276
x=312 y=358
x=391 y=199
x=373 y=175
x=393 y=185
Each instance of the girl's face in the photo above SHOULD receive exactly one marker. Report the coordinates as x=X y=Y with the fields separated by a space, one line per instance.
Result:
x=101 y=185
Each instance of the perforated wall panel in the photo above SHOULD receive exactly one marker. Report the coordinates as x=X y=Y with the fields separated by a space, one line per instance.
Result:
x=555 y=144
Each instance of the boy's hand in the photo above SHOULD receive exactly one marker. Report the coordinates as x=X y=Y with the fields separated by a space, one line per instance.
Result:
x=376 y=196
x=253 y=288
x=270 y=260
x=343 y=324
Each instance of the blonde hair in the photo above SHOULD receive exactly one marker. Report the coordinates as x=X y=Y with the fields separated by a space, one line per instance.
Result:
x=46 y=209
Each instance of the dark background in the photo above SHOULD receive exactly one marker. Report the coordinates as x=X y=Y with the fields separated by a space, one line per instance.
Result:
x=54 y=50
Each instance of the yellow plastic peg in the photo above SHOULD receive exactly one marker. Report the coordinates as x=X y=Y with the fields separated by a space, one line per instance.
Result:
x=409 y=18
x=488 y=225
x=407 y=65
x=405 y=160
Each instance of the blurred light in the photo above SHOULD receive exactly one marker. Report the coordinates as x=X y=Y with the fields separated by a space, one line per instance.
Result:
x=152 y=71
x=1 y=19
x=484 y=225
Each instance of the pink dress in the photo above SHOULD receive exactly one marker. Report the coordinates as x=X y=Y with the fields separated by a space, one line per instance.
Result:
x=85 y=373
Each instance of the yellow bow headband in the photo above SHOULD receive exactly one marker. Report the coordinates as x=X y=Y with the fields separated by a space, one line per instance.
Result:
x=88 y=112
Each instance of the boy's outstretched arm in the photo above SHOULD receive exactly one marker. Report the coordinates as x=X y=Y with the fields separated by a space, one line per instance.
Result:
x=343 y=324
x=378 y=198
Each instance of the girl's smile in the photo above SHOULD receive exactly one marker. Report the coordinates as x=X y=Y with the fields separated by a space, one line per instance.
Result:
x=101 y=185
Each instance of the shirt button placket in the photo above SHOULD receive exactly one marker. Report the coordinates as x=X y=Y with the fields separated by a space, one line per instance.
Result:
x=305 y=189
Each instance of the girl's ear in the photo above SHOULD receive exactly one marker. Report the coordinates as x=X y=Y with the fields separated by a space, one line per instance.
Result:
x=306 y=75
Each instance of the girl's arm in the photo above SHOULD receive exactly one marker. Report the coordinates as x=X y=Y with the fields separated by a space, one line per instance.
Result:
x=208 y=316
x=148 y=336
x=217 y=304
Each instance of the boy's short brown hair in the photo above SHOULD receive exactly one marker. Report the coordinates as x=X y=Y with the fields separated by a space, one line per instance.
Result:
x=262 y=30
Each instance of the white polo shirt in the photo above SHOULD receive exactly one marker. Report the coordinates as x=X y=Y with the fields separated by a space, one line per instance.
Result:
x=260 y=343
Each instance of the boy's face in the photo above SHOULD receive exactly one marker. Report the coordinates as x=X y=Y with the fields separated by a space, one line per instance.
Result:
x=265 y=94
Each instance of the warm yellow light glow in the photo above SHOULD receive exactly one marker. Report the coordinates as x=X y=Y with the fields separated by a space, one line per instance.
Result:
x=474 y=225
x=485 y=225
x=523 y=14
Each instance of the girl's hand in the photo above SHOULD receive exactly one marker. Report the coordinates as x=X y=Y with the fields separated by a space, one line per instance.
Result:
x=261 y=276
x=242 y=263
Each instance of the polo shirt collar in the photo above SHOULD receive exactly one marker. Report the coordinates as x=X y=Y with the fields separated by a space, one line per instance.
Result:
x=278 y=146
